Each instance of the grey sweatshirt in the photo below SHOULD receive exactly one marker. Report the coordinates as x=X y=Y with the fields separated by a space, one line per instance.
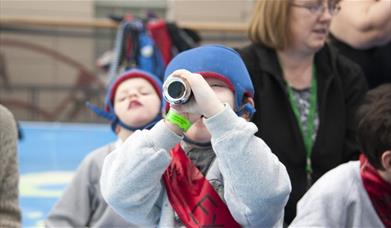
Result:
x=9 y=174
x=256 y=184
x=337 y=199
x=82 y=204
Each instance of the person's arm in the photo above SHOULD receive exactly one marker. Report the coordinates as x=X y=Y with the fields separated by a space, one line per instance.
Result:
x=9 y=174
x=73 y=209
x=256 y=183
x=131 y=175
x=363 y=24
x=354 y=87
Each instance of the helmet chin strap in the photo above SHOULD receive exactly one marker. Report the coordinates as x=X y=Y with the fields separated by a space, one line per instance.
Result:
x=149 y=125
x=100 y=112
x=246 y=108
x=114 y=119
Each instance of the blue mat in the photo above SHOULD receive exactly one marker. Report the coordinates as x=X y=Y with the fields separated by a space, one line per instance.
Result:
x=48 y=156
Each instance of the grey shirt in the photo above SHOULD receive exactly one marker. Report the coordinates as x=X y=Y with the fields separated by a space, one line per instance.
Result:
x=302 y=98
x=82 y=204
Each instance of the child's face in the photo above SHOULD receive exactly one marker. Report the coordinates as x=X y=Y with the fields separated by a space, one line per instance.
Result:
x=222 y=91
x=136 y=102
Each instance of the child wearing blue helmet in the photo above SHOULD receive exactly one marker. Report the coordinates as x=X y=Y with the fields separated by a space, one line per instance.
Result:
x=202 y=165
x=133 y=102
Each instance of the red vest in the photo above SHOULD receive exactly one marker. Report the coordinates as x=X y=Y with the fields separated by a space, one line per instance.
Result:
x=192 y=196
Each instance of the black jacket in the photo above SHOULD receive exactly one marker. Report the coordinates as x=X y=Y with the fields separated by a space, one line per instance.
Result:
x=341 y=86
x=375 y=62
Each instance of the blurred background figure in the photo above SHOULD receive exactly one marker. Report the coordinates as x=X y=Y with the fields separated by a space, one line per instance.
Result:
x=305 y=92
x=362 y=32
x=9 y=173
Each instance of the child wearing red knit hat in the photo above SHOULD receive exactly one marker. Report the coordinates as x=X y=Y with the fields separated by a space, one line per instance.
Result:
x=134 y=101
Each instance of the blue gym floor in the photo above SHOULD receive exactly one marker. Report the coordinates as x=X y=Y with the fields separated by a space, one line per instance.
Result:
x=49 y=153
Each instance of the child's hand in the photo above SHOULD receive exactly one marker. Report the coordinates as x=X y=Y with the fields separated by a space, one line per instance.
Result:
x=204 y=101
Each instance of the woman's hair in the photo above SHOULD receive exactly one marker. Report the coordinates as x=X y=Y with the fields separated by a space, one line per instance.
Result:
x=374 y=124
x=270 y=24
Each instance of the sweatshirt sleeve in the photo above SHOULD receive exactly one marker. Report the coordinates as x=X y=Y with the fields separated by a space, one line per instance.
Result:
x=256 y=183
x=355 y=87
x=131 y=176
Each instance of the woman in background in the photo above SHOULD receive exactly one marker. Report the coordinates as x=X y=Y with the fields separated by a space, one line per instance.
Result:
x=305 y=92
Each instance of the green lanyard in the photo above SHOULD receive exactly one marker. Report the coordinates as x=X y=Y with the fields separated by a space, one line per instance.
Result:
x=307 y=135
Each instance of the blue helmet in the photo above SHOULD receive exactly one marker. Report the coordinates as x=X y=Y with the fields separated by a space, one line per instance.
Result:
x=220 y=62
